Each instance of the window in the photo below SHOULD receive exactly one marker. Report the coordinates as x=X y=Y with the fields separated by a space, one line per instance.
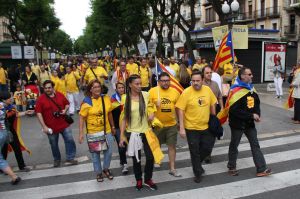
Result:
x=262 y=26
x=274 y=26
x=210 y=15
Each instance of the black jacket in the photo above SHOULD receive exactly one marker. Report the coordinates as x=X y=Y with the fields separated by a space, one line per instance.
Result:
x=241 y=112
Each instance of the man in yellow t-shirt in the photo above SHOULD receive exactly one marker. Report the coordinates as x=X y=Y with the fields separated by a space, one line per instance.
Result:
x=131 y=66
x=71 y=79
x=165 y=98
x=95 y=72
x=3 y=78
x=175 y=67
x=198 y=64
x=228 y=72
x=145 y=73
x=195 y=105
x=35 y=68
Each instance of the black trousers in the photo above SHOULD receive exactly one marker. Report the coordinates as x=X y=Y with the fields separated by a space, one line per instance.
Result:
x=137 y=167
x=200 y=145
x=121 y=150
x=297 y=109
x=15 y=144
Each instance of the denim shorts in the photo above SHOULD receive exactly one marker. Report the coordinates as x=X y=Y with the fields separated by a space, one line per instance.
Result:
x=3 y=137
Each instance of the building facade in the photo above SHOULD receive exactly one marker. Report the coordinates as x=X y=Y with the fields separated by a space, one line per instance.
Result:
x=4 y=32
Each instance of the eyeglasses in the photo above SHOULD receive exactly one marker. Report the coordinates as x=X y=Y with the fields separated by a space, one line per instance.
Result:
x=164 y=81
x=250 y=74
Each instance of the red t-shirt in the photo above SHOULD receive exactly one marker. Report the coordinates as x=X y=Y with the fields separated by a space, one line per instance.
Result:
x=46 y=107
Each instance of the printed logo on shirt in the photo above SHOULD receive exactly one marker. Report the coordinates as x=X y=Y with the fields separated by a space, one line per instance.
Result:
x=250 y=102
x=99 y=118
x=202 y=101
x=165 y=105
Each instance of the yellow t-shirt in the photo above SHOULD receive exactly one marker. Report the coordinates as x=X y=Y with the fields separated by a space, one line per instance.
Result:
x=71 y=82
x=175 y=67
x=131 y=68
x=19 y=97
x=94 y=114
x=136 y=125
x=36 y=70
x=165 y=105
x=99 y=71
x=2 y=76
x=145 y=74
x=60 y=85
x=196 y=107
x=197 y=67
x=228 y=69
x=44 y=76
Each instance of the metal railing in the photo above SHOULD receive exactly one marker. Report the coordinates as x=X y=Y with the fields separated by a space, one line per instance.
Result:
x=290 y=30
x=268 y=12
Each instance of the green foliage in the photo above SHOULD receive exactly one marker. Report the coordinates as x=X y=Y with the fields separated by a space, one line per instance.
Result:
x=59 y=40
x=112 y=20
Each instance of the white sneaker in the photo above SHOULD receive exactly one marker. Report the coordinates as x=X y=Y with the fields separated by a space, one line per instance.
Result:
x=156 y=165
x=125 y=169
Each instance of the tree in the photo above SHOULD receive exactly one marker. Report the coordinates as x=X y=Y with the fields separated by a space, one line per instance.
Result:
x=60 y=40
x=31 y=17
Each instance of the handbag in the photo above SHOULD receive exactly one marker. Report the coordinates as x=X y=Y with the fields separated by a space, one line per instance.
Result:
x=67 y=118
x=97 y=142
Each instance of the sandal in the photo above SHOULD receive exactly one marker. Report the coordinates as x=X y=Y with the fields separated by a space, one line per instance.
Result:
x=233 y=172
x=108 y=174
x=16 y=181
x=99 y=178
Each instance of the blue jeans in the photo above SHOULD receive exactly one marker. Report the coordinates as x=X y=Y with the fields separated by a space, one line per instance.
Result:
x=69 y=144
x=107 y=156
x=3 y=137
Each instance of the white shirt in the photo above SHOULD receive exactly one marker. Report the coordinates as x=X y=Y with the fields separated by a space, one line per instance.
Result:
x=217 y=78
x=114 y=79
x=170 y=70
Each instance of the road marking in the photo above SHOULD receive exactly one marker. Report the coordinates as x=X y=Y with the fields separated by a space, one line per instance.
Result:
x=239 y=188
x=74 y=188
x=81 y=168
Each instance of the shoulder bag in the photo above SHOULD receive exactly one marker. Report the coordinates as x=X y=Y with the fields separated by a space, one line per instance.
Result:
x=97 y=142
x=68 y=118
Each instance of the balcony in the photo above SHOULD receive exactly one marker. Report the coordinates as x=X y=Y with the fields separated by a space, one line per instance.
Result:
x=273 y=12
x=290 y=30
x=246 y=16
x=268 y=12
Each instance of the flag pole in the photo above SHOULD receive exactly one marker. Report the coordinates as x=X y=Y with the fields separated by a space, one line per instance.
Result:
x=232 y=48
x=156 y=71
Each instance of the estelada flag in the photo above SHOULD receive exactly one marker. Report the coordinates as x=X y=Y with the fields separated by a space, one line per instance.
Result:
x=16 y=126
x=290 y=101
x=225 y=53
x=173 y=82
x=234 y=95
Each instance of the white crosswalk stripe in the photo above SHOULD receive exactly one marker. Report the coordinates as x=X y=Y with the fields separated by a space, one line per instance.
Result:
x=85 y=186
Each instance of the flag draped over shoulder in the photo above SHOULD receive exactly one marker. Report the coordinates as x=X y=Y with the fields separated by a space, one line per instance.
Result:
x=290 y=101
x=173 y=82
x=225 y=53
x=237 y=91
x=10 y=110
x=115 y=100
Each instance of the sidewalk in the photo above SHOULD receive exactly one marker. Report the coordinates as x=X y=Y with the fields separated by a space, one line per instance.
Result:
x=268 y=97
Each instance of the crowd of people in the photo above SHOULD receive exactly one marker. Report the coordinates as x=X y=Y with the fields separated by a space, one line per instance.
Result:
x=140 y=97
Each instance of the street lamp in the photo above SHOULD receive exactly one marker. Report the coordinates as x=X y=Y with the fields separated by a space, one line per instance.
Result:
x=234 y=8
x=49 y=48
x=22 y=39
x=120 y=46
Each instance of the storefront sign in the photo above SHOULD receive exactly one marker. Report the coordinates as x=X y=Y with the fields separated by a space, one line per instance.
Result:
x=16 y=52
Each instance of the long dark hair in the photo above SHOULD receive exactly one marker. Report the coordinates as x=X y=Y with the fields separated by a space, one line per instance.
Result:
x=127 y=108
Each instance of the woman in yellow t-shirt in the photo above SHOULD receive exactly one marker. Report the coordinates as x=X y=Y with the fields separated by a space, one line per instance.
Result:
x=135 y=120
x=92 y=113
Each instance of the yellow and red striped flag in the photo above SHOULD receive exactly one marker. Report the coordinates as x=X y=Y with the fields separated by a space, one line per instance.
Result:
x=225 y=53
x=173 y=82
